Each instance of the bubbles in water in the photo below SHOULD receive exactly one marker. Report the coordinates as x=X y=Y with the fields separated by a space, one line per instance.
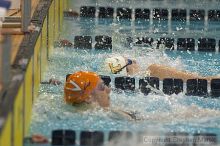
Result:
x=189 y=52
x=51 y=112
x=179 y=28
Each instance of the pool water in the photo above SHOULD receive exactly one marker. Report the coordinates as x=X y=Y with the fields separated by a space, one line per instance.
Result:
x=162 y=112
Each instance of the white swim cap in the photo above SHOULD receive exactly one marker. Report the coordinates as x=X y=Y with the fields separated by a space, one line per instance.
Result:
x=114 y=64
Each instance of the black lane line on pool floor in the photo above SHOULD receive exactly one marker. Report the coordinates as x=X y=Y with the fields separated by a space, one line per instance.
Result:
x=175 y=14
x=169 y=86
x=103 y=42
x=117 y=137
x=192 y=87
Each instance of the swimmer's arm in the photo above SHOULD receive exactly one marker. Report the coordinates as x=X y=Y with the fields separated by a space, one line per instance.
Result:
x=127 y=114
x=52 y=82
x=162 y=72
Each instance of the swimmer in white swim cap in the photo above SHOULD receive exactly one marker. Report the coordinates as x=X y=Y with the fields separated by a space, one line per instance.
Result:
x=121 y=65
x=129 y=67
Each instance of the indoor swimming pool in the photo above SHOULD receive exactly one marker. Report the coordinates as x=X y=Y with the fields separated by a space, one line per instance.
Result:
x=157 y=111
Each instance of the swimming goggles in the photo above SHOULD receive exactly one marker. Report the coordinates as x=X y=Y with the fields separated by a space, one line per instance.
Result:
x=129 y=63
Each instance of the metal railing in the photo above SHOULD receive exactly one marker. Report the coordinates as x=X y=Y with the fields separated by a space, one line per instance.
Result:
x=11 y=25
x=18 y=24
x=5 y=46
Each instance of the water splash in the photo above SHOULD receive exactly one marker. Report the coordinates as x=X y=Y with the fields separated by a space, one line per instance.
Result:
x=157 y=111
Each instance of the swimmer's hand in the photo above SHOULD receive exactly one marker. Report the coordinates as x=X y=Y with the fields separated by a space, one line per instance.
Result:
x=52 y=82
x=55 y=82
x=39 y=139
x=131 y=115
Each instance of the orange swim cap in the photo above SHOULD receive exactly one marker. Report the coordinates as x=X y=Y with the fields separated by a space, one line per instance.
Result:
x=79 y=85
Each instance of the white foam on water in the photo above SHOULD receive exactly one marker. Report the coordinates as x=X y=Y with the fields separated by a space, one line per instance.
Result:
x=155 y=111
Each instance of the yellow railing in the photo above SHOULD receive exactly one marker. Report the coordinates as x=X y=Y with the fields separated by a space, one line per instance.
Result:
x=17 y=120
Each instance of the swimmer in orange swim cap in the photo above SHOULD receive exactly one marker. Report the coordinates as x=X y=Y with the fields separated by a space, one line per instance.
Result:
x=86 y=87
x=125 y=66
